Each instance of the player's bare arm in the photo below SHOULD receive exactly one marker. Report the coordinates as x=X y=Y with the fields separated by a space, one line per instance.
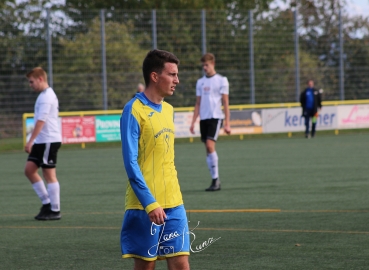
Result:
x=38 y=127
x=227 y=114
x=157 y=216
x=195 y=114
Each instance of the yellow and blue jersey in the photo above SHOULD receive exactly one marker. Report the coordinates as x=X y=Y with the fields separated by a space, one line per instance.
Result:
x=147 y=134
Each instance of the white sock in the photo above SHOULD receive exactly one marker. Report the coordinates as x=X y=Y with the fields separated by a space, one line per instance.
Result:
x=54 y=193
x=212 y=160
x=40 y=189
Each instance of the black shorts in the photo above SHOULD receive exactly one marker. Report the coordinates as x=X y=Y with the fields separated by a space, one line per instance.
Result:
x=44 y=154
x=309 y=113
x=209 y=129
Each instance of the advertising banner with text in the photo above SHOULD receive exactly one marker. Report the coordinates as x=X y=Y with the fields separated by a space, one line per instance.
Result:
x=107 y=128
x=78 y=129
x=245 y=122
x=290 y=119
x=353 y=116
x=242 y=122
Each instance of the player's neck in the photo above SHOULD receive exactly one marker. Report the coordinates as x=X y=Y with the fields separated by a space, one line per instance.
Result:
x=43 y=87
x=211 y=74
x=153 y=96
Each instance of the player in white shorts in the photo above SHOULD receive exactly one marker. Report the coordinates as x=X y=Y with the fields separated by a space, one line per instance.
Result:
x=43 y=146
x=212 y=91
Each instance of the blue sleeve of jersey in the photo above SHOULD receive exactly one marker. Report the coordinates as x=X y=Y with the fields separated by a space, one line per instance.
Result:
x=130 y=134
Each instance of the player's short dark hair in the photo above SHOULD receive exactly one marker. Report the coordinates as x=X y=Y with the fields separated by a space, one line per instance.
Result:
x=207 y=57
x=37 y=72
x=155 y=61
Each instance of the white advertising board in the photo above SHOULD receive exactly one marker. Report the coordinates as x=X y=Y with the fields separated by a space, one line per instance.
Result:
x=182 y=123
x=241 y=122
x=290 y=119
x=353 y=116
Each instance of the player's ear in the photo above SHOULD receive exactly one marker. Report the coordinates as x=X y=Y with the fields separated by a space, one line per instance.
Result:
x=41 y=79
x=154 y=76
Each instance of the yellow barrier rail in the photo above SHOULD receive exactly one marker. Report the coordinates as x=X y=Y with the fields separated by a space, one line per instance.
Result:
x=281 y=105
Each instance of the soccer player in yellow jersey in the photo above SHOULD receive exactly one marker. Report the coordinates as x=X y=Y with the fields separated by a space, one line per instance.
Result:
x=155 y=224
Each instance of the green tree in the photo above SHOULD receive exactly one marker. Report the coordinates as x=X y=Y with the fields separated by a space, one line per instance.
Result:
x=168 y=4
x=82 y=57
x=179 y=31
x=275 y=57
x=320 y=37
x=356 y=58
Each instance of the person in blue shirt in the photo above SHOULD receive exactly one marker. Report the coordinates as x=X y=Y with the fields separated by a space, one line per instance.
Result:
x=311 y=103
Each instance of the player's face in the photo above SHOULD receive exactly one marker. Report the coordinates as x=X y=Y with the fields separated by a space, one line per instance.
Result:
x=168 y=79
x=208 y=67
x=311 y=84
x=35 y=83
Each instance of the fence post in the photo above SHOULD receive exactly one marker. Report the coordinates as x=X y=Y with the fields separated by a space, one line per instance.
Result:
x=341 y=72
x=154 y=36
x=203 y=31
x=251 y=52
x=49 y=49
x=297 y=57
x=103 y=60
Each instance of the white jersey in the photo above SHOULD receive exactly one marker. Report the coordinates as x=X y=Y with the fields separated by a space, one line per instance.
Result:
x=211 y=89
x=47 y=110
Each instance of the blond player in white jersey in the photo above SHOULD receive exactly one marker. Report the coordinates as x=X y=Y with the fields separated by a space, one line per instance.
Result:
x=212 y=91
x=43 y=146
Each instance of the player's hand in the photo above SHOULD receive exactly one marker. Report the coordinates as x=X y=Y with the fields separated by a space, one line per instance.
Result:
x=157 y=216
x=192 y=129
x=227 y=129
x=28 y=147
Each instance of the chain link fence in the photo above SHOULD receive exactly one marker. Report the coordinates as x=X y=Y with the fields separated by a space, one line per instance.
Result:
x=258 y=56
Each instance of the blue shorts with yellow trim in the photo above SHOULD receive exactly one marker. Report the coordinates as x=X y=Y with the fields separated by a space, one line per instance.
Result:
x=140 y=238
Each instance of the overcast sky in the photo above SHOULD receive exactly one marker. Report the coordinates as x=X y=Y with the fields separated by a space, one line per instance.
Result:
x=358 y=7
x=353 y=7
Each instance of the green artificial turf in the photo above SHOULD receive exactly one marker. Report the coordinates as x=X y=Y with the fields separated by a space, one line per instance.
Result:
x=304 y=205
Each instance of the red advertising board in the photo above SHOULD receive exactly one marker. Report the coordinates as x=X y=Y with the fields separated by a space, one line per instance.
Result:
x=78 y=129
